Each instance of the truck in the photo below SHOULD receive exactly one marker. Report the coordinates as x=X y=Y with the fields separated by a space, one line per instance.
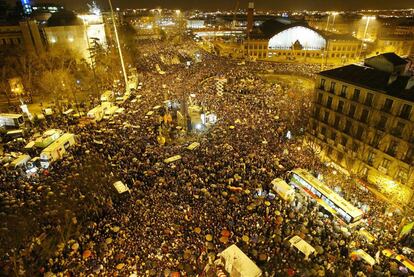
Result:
x=48 y=138
x=11 y=121
x=107 y=96
x=56 y=150
x=96 y=113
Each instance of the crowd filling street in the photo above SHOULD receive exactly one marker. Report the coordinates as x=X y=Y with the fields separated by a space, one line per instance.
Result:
x=68 y=220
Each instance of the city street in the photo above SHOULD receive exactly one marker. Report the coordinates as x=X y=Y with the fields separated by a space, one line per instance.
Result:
x=178 y=216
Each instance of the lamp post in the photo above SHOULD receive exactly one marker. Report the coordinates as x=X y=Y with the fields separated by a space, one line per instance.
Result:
x=327 y=22
x=333 y=20
x=119 y=46
x=368 y=19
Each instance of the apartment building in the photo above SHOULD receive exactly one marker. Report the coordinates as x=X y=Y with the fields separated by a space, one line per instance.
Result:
x=363 y=121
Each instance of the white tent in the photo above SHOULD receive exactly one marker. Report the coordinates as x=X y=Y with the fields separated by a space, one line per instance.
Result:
x=302 y=246
x=120 y=187
x=237 y=264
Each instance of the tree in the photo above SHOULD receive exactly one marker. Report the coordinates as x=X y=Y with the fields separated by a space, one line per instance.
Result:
x=57 y=83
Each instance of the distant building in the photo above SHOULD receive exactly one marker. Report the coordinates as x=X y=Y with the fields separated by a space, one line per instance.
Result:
x=25 y=35
x=66 y=30
x=363 y=121
x=285 y=41
x=402 y=45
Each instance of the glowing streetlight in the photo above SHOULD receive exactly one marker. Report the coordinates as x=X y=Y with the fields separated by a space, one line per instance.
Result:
x=368 y=19
x=119 y=45
x=333 y=21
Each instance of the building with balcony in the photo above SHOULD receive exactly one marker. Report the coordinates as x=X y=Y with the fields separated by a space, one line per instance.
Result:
x=363 y=121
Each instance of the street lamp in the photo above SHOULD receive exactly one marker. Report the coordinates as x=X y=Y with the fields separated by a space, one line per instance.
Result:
x=119 y=46
x=333 y=21
x=368 y=19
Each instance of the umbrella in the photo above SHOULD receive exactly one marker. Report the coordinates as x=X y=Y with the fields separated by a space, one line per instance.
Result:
x=197 y=230
x=115 y=229
x=120 y=266
x=86 y=254
x=175 y=274
x=262 y=257
x=245 y=238
x=267 y=203
x=209 y=237
x=108 y=240
x=75 y=246
x=224 y=240
x=225 y=233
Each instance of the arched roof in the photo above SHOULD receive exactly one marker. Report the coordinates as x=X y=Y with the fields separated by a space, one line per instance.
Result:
x=301 y=36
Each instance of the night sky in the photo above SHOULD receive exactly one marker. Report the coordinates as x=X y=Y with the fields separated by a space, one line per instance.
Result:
x=260 y=4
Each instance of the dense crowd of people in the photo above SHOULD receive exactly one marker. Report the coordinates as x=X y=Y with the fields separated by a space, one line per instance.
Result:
x=177 y=217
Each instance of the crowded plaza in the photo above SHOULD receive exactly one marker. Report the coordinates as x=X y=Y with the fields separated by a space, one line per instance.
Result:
x=177 y=216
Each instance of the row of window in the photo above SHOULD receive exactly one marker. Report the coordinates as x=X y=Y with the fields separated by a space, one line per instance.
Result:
x=381 y=124
x=345 y=48
x=387 y=106
x=391 y=148
x=10 y=41
x=401 y=174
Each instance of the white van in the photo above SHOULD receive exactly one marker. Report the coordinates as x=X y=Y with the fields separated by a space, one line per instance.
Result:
x=285 y=191
x=96 y=113
x=20 y=161
x=56 y=150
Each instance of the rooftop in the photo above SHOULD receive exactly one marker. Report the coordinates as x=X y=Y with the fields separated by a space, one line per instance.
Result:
x=390 y=57
x=372 y=79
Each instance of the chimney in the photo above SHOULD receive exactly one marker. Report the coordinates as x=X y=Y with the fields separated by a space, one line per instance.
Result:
x=250 y=14
x=410 y=83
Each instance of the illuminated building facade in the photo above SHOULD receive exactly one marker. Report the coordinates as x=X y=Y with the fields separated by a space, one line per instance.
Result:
x=297 y=42
x=26 y=36
x=65 y=30
x=402 y=45
x=363 y=120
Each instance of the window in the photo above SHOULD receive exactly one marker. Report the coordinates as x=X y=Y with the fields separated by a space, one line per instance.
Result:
x=368 y=99
x=322 y=86
x=387 y=105
x=326 y=117
x=332 y=89
x=344 y=140
x=352 y=109
x=370 y=158
x=402 y=175
x=385 y=163
x=337 y=120
x=343 y=91
x=355 y=96
x=320 y=98
x=323 y=130
x=409 y=156
x=340 y=106
x=382 y=123
x=333 y=135
x=364 y=115
x=329 y=102
x=348 y=126
x=317 y=111
x=376 y=140
x=355 y=147
x=392 y=148
x=399 y=129
x=406 y=111
x=359 y=132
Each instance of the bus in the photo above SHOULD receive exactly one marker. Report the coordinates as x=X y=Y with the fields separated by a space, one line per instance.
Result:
x=8 y=120
x=333 y=203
